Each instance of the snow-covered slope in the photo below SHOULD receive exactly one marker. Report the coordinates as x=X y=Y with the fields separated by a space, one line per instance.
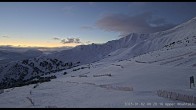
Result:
x=183 y=57
x=130 y=84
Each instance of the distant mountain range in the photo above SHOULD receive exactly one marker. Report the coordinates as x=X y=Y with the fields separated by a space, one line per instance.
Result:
x=7 y=56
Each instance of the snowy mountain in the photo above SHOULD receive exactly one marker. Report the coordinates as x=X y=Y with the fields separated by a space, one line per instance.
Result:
x=9 y=55
x=24 y=72
x=143 y=61
x=94 y=52
x=132 y=45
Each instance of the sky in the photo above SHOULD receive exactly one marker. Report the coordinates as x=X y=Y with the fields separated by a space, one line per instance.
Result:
x=57 y=24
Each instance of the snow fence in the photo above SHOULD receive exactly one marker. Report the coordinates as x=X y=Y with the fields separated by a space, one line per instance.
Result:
x=176 y=96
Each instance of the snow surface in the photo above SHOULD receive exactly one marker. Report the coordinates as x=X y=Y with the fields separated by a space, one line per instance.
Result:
x=105 y=91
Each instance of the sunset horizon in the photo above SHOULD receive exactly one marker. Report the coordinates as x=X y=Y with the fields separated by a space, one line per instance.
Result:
x=57 y=24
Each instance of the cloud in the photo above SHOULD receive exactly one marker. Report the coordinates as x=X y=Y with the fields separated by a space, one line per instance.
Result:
x=125 y=24
x=20 y=48
x=5 y=36
x=56 y=38
x=70 y=40
x=74 y=40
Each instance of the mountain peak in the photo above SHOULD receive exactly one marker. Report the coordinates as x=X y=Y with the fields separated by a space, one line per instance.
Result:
x=194 y=18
